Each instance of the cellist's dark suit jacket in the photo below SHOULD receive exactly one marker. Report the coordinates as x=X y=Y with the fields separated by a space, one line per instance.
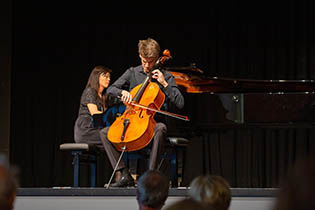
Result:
x=130 y=79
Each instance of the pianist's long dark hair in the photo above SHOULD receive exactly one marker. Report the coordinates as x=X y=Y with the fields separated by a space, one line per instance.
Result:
x=93 y=82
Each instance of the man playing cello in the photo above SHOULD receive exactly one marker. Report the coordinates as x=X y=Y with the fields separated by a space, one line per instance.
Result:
x=149 y=51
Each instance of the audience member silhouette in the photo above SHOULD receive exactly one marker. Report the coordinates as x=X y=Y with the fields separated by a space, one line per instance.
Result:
x=297 y=188
x=8 y=184
x=213 y=192
x=152 y=190
x=185 y=204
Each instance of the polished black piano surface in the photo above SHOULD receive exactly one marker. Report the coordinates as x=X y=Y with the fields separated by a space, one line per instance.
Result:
x=212 y=101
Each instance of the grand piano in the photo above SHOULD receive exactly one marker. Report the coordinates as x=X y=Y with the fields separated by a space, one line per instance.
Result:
x=221 y=100
x=248 y=131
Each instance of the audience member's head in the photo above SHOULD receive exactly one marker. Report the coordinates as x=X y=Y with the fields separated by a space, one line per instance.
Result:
x=8 y=184
x=185 y=204
x=212 y=191
x=297 y=188
x=152 y=190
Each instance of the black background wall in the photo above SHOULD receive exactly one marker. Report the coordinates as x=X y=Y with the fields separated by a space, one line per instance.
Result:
x=55 y=46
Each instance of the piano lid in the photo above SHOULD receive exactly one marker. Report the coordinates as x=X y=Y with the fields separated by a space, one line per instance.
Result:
x=192 y=80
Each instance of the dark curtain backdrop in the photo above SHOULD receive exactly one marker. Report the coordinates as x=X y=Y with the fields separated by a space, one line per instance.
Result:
x=56 y=46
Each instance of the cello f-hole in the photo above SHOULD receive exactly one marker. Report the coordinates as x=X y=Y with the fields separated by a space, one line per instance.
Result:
x=140 y=114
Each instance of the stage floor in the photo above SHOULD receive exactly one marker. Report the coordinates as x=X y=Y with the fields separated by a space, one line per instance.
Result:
x=69 y=198
x=181 y=191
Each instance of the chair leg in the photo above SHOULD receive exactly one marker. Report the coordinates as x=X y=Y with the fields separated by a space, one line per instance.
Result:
x=76 y=163
x=93 y=170
x=174 y=170
x=183 y=153
x=126 y=158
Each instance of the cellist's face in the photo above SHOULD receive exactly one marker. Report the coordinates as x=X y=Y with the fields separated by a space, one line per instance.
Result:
x=147 y=63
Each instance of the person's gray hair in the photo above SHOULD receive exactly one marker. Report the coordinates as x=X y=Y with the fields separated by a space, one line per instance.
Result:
x=212 y=191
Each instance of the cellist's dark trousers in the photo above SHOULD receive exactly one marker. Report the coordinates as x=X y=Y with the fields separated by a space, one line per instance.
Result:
x=157 y=147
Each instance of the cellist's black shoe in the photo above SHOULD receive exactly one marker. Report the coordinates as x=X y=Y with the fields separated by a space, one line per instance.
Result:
x=126 y=180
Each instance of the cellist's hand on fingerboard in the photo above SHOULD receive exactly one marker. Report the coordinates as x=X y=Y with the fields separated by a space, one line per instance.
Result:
x=159 y=76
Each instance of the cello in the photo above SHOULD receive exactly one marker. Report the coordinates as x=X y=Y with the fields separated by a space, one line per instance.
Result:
x=134 y=129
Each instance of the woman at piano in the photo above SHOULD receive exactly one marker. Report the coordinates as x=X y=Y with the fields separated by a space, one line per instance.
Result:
x=93 y=101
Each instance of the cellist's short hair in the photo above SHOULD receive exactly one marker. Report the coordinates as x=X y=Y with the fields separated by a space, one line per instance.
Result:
x=152 y=189
x=149 y=48
x=212 y=191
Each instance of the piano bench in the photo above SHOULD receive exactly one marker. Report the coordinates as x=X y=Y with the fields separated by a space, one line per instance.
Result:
x=82 y=153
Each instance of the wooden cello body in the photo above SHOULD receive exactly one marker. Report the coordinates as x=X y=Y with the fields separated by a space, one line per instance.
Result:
x=134 y=129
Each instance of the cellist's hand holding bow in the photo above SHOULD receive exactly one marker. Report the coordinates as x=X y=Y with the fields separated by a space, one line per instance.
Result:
x=126 y=97
x=159 y=76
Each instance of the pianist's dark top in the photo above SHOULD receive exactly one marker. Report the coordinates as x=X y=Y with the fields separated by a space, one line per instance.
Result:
x=84 y=131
